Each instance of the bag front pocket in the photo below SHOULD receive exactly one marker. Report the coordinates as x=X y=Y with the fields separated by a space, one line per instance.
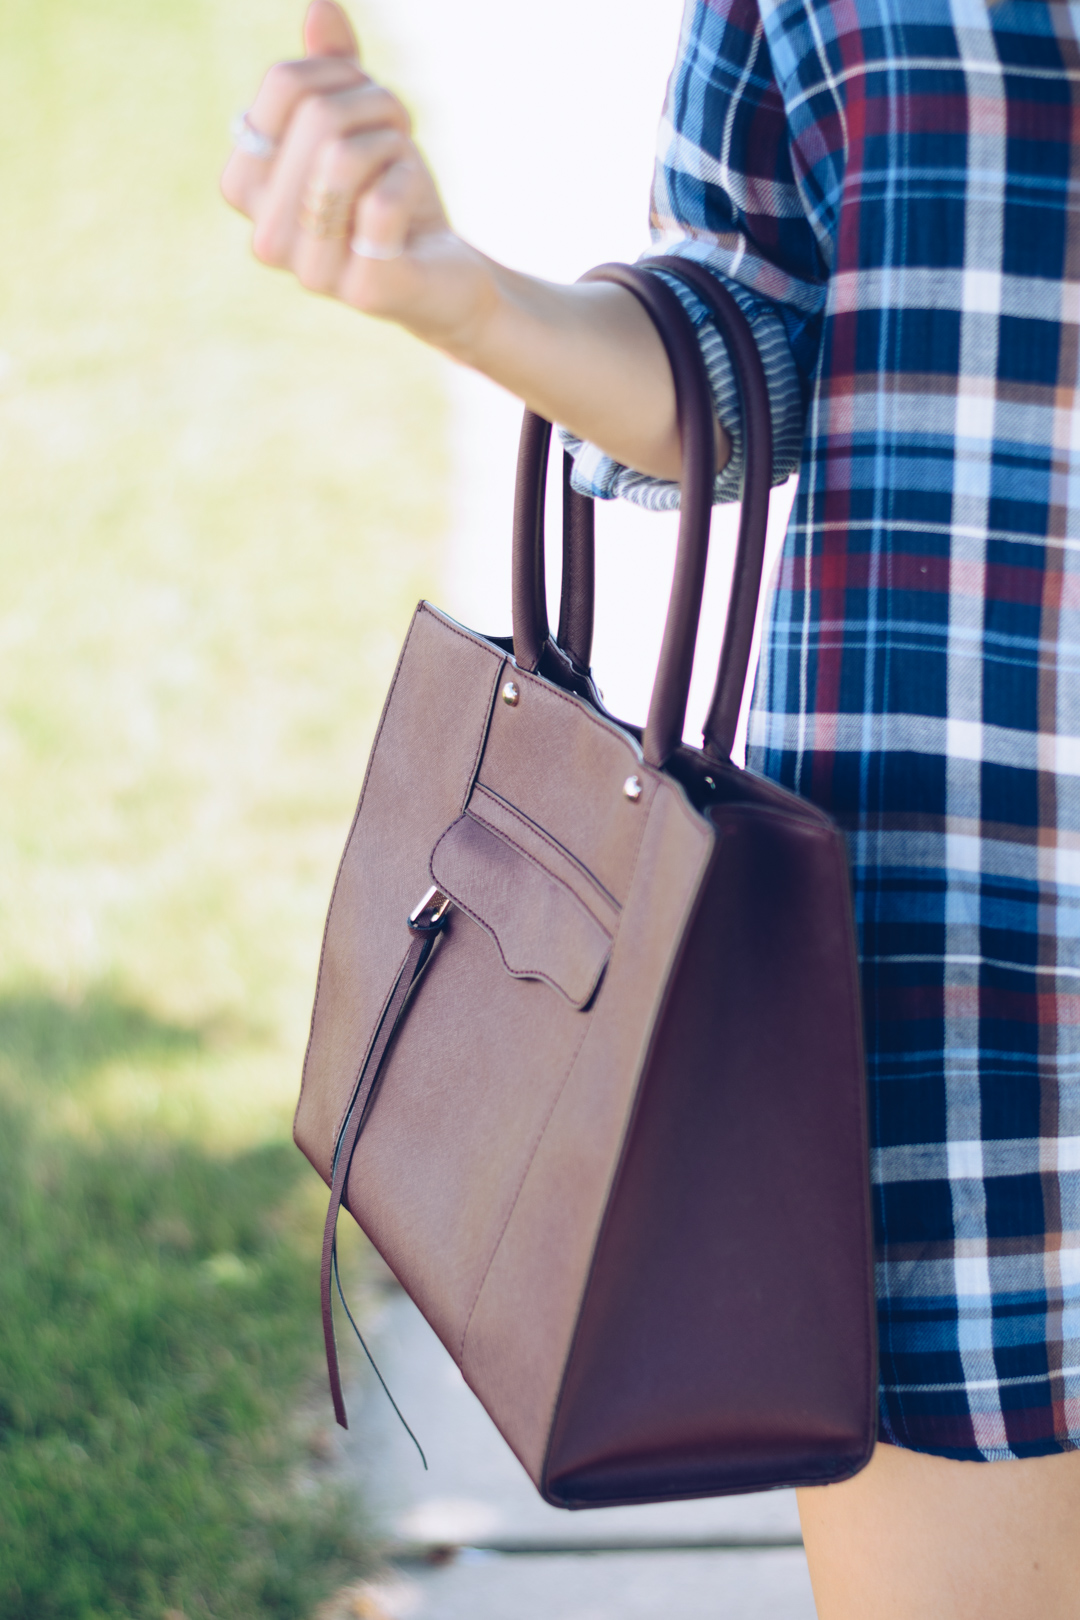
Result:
x=543 y=927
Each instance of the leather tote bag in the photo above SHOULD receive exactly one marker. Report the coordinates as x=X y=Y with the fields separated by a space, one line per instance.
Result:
x=585 y=1059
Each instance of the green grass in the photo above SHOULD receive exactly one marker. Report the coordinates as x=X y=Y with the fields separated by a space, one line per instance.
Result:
x=155 y=1313
x=219 y=501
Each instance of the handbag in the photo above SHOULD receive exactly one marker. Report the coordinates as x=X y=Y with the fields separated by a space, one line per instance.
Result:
x=585 y=1059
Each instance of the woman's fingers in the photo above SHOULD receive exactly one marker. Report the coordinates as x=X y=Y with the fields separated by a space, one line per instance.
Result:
x=346 y=170
x=332 y=63
x=328 y=32
x=327 y=170
x=319 y=122
x=389 y=211
x=284 y=89
x=396 y=217
x=288 y=85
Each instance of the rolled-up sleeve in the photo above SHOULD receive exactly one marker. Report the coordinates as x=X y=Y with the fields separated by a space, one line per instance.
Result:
x=725 y=194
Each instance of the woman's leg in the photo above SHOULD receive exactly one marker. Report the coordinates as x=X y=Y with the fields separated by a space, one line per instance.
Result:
x=923 y=1538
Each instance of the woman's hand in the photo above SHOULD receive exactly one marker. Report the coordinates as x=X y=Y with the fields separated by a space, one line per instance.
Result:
x=342 y=198
x=345 y=200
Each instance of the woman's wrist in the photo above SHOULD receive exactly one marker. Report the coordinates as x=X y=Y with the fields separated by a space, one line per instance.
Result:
x=586 y=356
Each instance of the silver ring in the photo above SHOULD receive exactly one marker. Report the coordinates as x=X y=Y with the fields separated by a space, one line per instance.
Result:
x=366 y=249
x=246 y=138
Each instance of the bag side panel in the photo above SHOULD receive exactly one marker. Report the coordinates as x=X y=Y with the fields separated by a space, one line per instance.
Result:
x=419 y=775
x=726 y=1342
x=517 y=1341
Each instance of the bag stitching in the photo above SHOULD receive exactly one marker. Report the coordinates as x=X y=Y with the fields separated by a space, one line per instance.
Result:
x=715 y=837
x=537 y=831
x=497 y=832
x=485 y=729
x=422 y=608
x=609 y=728
x=344 y=858
x=520 y=973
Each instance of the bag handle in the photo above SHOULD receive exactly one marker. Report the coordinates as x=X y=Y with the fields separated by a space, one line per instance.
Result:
x=667 y=707
x=578 y=557
x=578 y=572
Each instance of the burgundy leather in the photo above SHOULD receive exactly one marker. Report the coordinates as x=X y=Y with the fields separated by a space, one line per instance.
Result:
x=542 y=929
x=527 y=573
x=574 y=640
x=611 y=1133
x=578 y=573
x=367 y=1080
x=576 y=620
x=732 y=1153
x=697 y=432
x=723 y=716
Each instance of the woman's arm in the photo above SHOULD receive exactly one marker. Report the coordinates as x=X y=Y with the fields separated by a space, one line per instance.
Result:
x=348 y=205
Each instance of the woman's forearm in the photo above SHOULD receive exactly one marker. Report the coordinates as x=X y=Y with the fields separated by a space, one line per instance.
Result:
x=586 y=356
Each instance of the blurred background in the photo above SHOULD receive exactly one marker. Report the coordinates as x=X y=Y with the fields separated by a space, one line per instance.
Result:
x=220 y=499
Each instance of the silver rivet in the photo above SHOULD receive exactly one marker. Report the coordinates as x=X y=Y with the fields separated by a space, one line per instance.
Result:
x=632 y=788
x=709 y=782
x=511 y=695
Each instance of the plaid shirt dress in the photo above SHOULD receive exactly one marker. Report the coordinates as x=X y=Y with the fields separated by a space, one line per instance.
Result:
x=891 y=188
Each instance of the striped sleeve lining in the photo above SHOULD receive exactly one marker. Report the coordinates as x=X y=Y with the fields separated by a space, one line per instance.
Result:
x=605 y=479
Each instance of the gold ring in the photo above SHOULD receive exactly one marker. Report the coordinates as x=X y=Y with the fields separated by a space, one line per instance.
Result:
x=327 y=213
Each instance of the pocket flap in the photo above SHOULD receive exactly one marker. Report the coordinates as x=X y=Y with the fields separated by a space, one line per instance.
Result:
x=541 y=927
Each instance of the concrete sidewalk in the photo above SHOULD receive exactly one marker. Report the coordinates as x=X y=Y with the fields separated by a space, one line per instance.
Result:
x=471 y=1537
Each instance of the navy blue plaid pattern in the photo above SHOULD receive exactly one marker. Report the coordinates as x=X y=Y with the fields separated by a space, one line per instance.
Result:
x=899 y=180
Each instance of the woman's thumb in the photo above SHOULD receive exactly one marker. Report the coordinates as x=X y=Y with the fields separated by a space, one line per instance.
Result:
x=328 y=32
